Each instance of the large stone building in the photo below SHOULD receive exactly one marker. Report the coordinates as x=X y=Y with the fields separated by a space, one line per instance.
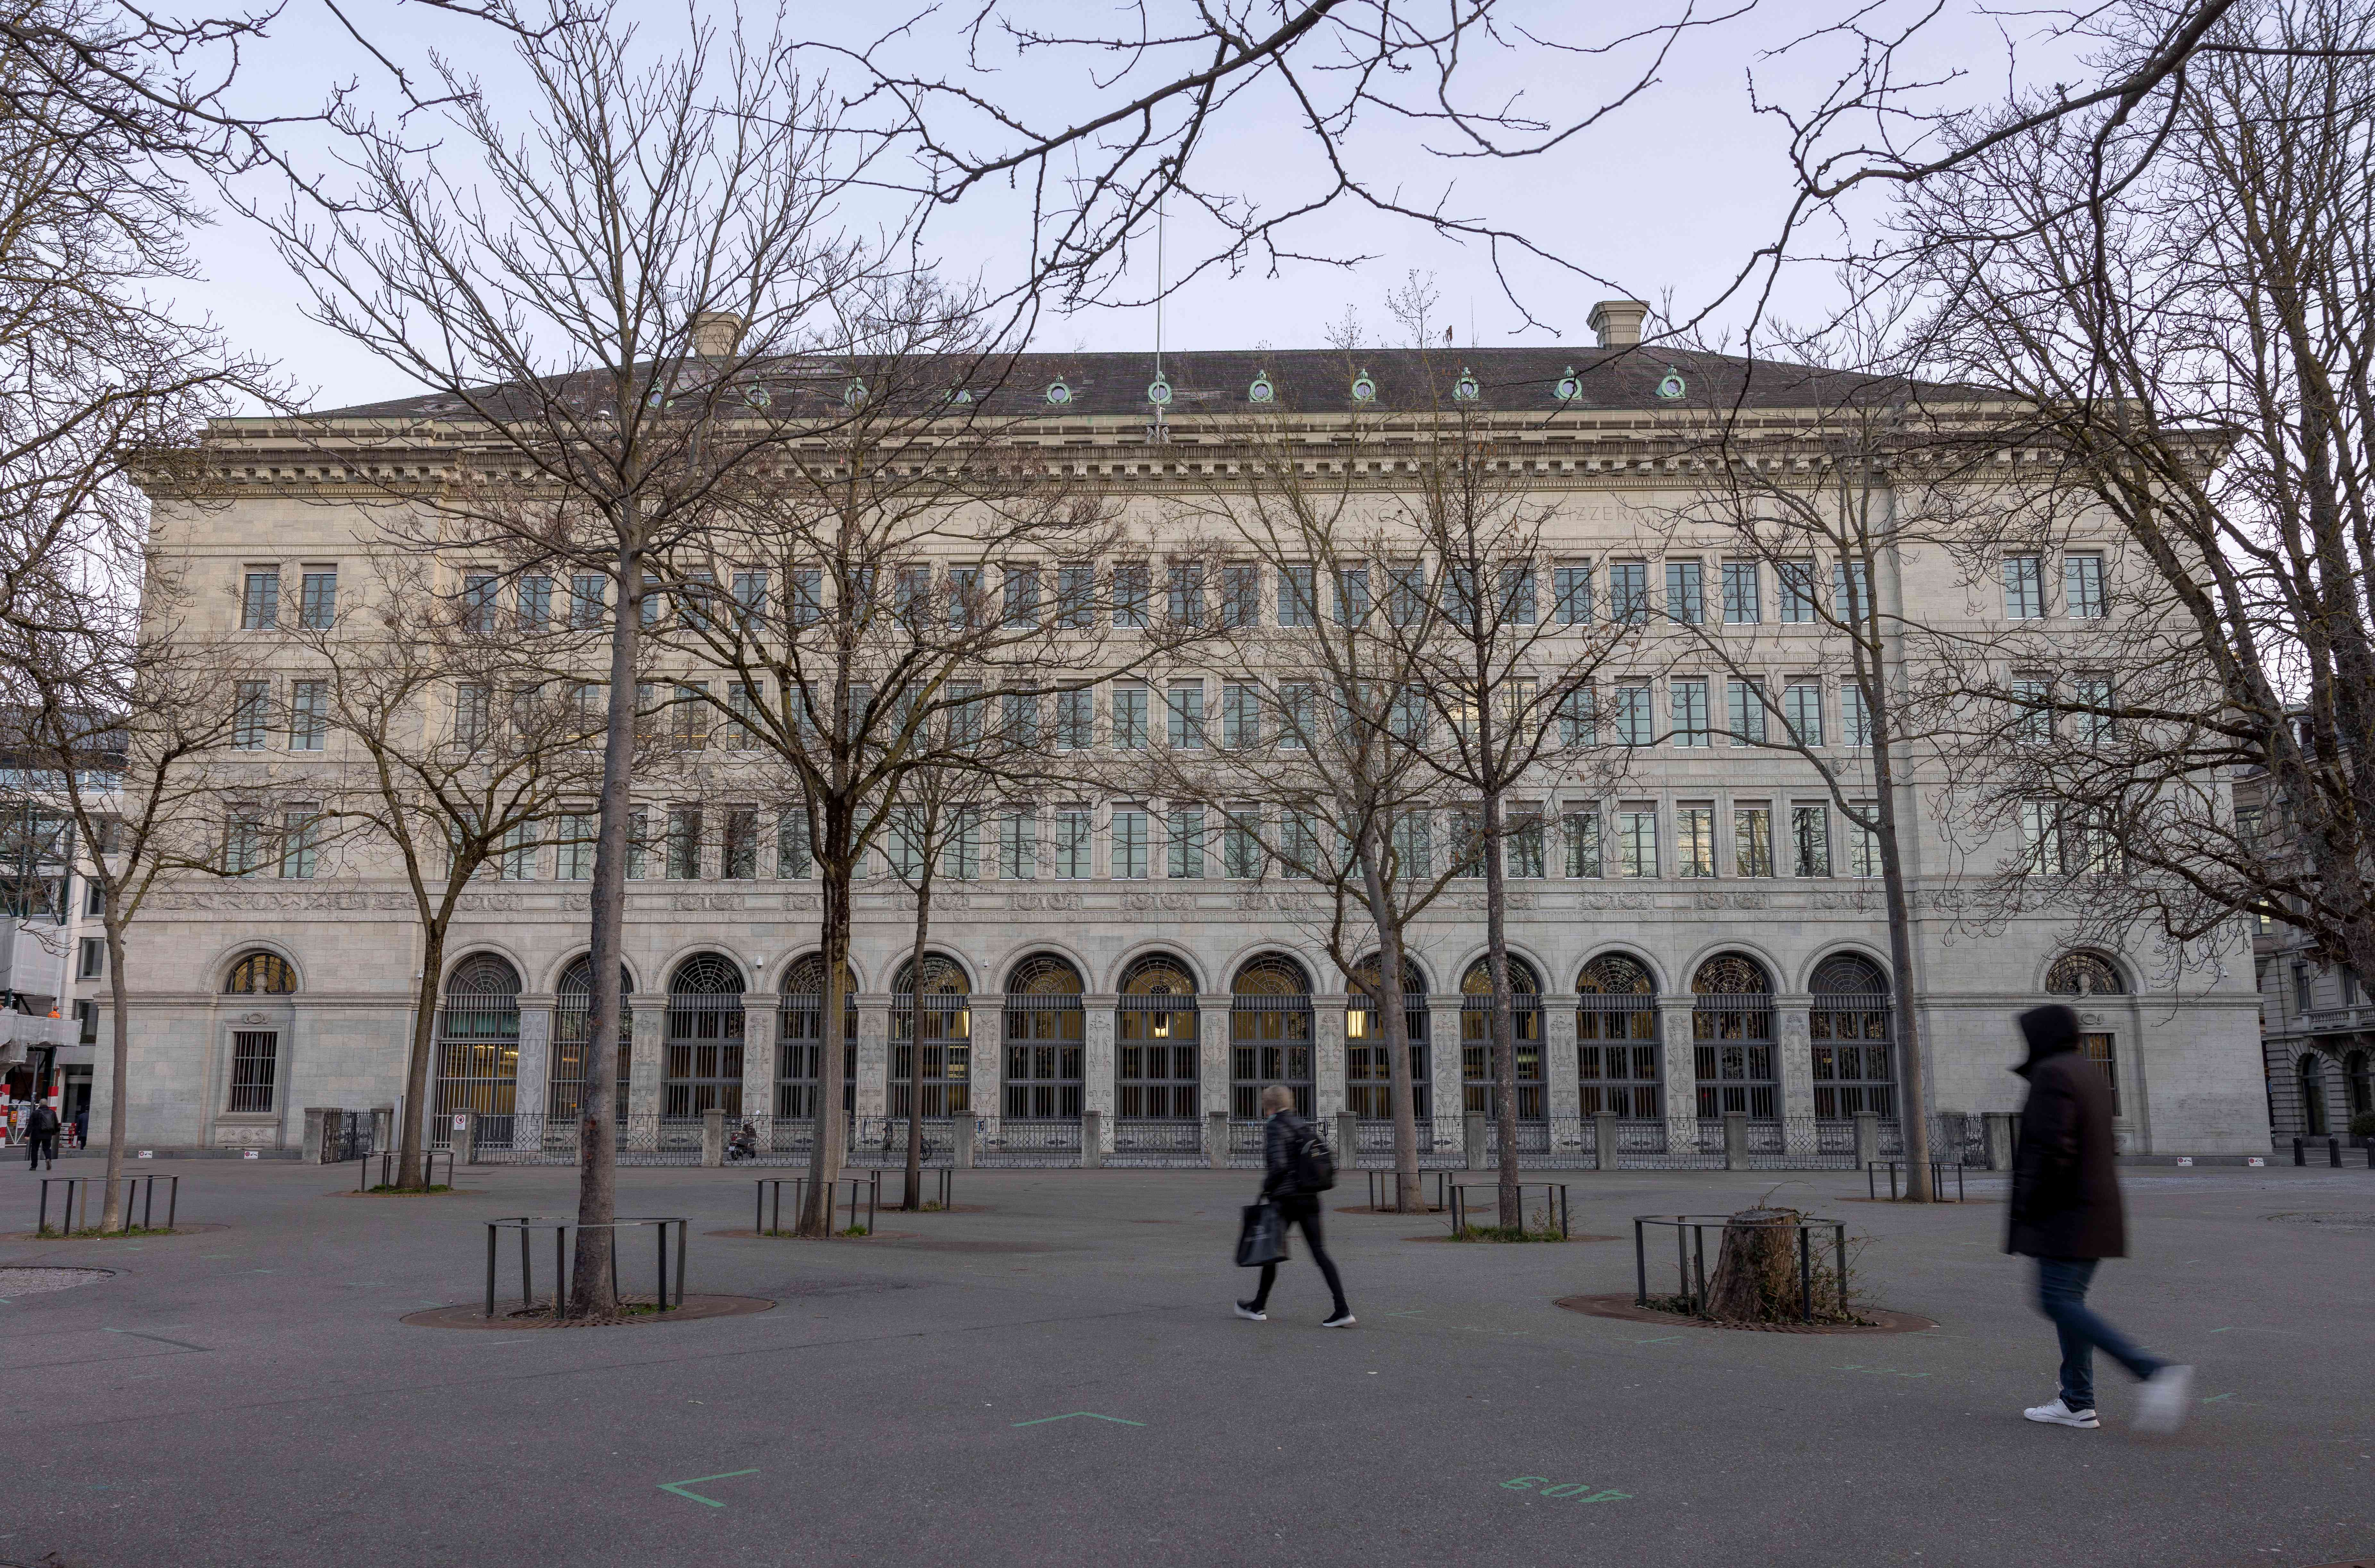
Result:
x=1670 y=976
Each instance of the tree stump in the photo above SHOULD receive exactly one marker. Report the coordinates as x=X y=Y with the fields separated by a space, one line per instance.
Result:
x=1757 y=1269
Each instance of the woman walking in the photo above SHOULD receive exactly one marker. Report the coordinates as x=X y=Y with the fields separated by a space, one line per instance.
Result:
x=1283 y=1140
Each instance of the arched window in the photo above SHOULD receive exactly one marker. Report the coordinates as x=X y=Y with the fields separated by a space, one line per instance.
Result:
x=799 y=1036
x=2359 y=1083
x=704 y=1038
x=1476 y=1038
x=572 y=1017
x=1368 y=1069
x=1159 y=1064
x=1616 y=1057
x=1269 y=1034
x=478 y=1047
x=2311 y=1071
x=940 y=1018
x=1044 y=1034
x=1732 y=1035
x=261 y=973
x=1850 y=1034
x=2084 y=974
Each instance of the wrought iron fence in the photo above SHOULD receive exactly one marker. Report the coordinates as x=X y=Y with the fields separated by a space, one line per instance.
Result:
x=1178 y=1145
x=346 y=1136
x=1013 y=1141
x=526 y=1140
x=1551 y=1143
x=1245 y=1145
x=1376 y=1151
x=882 y=1141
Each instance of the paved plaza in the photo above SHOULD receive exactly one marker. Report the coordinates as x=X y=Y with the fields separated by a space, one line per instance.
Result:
x=248 y=1395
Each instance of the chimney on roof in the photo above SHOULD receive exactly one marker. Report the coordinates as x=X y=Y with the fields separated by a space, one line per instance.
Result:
x=1618 y=321
x=716 y=333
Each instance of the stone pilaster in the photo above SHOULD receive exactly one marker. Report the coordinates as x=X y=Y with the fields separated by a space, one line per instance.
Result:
x=646 y=1069
x=1444 y=1095
x=988 y=1055
x=873 y=1055
x=1097 y=1068
x=758 y=1024
x=1794 y=1066
x=1681 y=1074
x=1562 y=1094
x=1212 y=1038
x=1328 y=1095
x=532 y=1075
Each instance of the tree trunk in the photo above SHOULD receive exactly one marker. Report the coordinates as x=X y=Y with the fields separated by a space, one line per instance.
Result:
x=412 y=1142
x=824 y=1152
x=1393 y=1020
x=1504 y=1034
x=1912 y=1071
x=912 y=1199
x=1756 y=1278
x=112 y=1216
x=597 y=1175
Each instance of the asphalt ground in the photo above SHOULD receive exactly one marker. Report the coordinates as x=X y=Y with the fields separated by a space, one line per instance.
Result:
x=248 y=1395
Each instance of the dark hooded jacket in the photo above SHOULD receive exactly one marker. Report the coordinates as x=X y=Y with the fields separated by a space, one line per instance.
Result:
x=2065 y=1187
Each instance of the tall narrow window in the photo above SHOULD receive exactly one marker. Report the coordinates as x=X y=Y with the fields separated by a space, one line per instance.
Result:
x=808 y=596
x=259 y=604
x=961 y=851
x=749 y=596
x=742 y=716
x=1076 y=595
x=254 y=1064
x=1240 y=596
x=574 y=846
x=1745 y=711
x=251 y=715
x=1129 y=717
x=1864 y=844
x=1801 y=710
x=1694 y=841
x=1022 y=588
x=1751 y=840
x=1628 y=592
x=1518 y=604
x=1297 y=602
x=1187 y=716
x=300 y=828
x=1636 y=723
x=535 y=603
x=793 y=856
x=1240 y=715
x=515 y=859
x=2040 y=838
x=1851 y=592
x=1297 y=710
x=1185 y=592
x=1582 y=836
x=1019 y=720
x=1685 y=591
x=2024 y=586
x=684 y=842
x=317 y=598
x=1796 y=579
x=472 y=712
x=2082 y=587
x=2092 y=695
x=2032 y=703
x=308 y=714
x=1076 y=720
x=588 y=594
x=1075 y=842
x=738 y=854
x=1187 y=842
x=1855 y=714
x=1132 y=590
x=1571 y=595
x=1129 y=843
x=1018 y=845
x=1744 y=602
x=965 y=607
x=1689 y=696
x=1810 y=837
x=1522 y=841
x=481 y=602
x=1637 y=841
x=1241 y=851
x=1351 y=596
x=1579 y=717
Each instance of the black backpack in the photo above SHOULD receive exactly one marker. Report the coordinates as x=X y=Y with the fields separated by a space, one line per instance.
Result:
x=1312 y=1162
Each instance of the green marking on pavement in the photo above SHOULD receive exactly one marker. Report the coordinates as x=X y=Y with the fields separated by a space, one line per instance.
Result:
x=679 y=1487
x=1042 y=1420
x=1575 y=1490
x=2215 y=1398
x=1667 y=1340
x=2228 y=1330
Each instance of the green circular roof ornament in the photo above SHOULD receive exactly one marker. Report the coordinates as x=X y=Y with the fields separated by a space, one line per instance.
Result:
x=1058 y=393
x=1673 y=386
x=1570 y=388
x=854 y=393
x=757 y=397
x=1158 y=392
x=1363 y=389
x=1465 y=388
x=1261 y=391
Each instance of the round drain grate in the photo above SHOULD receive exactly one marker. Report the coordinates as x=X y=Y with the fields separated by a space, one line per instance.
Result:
x=2328 y=1217
x=32 y=1281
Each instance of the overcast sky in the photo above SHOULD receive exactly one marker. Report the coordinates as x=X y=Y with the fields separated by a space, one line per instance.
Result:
x=1667 y=196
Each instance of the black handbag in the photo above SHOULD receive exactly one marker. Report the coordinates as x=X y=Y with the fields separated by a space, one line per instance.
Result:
x=1263 y=1239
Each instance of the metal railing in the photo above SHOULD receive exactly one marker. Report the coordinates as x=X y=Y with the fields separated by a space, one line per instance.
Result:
x=1245 y=1151
x=1013 y=1141
x=559 y=1307
x=1552 y=1212
x=1938 y=1183
x=883 y=1140
x=385 y=1163
x=1175 y=1144
x=140 y=1189
x=1690 y=1257
x=1377 y=1145
x=347 y=1135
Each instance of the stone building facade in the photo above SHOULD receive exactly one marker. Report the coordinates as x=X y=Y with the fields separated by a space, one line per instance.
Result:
x=1671 y=980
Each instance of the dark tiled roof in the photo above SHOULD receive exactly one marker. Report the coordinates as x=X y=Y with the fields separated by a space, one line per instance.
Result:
x=1306 y=380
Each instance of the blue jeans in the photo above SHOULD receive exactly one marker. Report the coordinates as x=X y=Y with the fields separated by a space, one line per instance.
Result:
x=2062 y=1295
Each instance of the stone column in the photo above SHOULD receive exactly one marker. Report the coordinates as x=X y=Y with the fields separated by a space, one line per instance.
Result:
x=1562 y=1091
x=1443 y=1064
x=533 y=1077
x=1735 y=1140
x=985 y=1090
x=646 y=1066
x=1603 y=1133
x=1348 y=1143
x=1794 y=1065
x=1092 y=1138
x=1867 y=1139
x=2000 y=1125
x=873 y=1056
x=1681 y=1074
x=316 y=1116
x=1097 y=1072
x=961 y=1156
x=1213 y=1036
x=1475 y=1137
x=713 y=1138
x=760 y=1015
x=1216 y=1139
x=1327 y=1064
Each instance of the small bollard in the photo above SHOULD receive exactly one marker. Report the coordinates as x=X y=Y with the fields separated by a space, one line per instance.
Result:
x=2333 y=1152
x=2298 y=1157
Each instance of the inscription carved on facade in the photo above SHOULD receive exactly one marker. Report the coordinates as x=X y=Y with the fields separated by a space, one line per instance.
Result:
x=1021 y=902
x=1279 y=903
x=490 y=903
x=1143 y=902
x=723 y=903
x=1857 y=901
x=1708 y=899
x=1613 y=901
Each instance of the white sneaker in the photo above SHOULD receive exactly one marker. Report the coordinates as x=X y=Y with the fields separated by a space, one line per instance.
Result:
x=1341 y=1320
x=2060 y=1414
x=2161 y=1402
x=1250 y=1315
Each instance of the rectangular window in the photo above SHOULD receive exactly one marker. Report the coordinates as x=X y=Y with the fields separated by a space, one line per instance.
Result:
x=1855 y=716
x=1744 y=601
x=639 y=840
x=2082 y=587
x=1628 y=592
x=1018 y=845
x=574 y=846
x=1183 y=593
x=2097 y=725
x=690 y=727
x=86 y=1017
x=1518 y=600
x=1689 y=699
x=535 y=602
x=308 y=714
x=1523 y=843
x=481 y=603
x=749 y=596
x=473 y=708
x=1240 y=596
x=317 y=598
x=1187 y=842
x=1021 y=587
x=1076 y=720
x=92 y=962
x=1582 y=832
x=259 y=605
x=1745 y=711
x=1240 y=715
x=965 y=704
x=1129 y=843
x=1864 y=844
x=1298 y=844
x=2040 y=838
x=1801 y=710
x=1636 y=723
x=2024 y=586
x=251 y=715
x=2099 y=1051
x=1075 y=842
x=1187 y=716
x=808 y=596
x=1298 y=707
x=2302 y=996
x=94 y=898
x=1467 y=844
x=516 y=856
x=961 y=849
x=1796 y=579
x=589 y=593
x=254 y=1065
x=794 y=855
x=684 y=844
x=1241 y=851
x=1076 y=595
x=2032 y=699
x=1129 y=718
x=1810 y=837
x=1851 y=592
x=1019 y=720
x=1579 y=717
x=1637 y=841
x=964 y=608
x=1406 y=595
x=1685 y=591
x=738 y=852
x=1571 y=595
x=742 y=716
x=1694 y=841
x=1297 y=599
x=301 y=843
x=243 y=846
x=1351 y=596
x=1752 y=841
x=1132 y=591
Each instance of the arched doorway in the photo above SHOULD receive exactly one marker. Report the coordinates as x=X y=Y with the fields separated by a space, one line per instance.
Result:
x=1159 y=1059
x=1045 y=1035
x=572 y=1017
x=255 y=1086
x=1368 y=1067
x=800 y=1039
x=936 y=1016
x=2310 y=1073
x=1616 y=1057
x=2083 y=974
x=704 y=1038
x=1476 y=1078
x=1849 y=1032
x=478 y=1048
x=2359 y=1083
x=1731 y=1036
x=1269 y=1034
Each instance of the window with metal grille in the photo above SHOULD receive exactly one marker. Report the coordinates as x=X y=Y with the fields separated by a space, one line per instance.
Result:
x=261 y=975
x=477 y=1045
x=1159 y=1059
x=934 y=1018
x=704 y=1038
x=254 y=1067
x=1732 y=1035
x=1617 y=1067
x=1044 y=1034
x=800 y=1039
x=572 y=1018
x=2084 y=974
x=1269 y=1034
x=1477 y=1085
x=1850 y=1035
x=1369 y=1066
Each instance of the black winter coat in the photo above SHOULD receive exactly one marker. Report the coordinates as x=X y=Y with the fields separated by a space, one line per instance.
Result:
x=1281 y=1136
x=2065 y=1186
x=41 y=1123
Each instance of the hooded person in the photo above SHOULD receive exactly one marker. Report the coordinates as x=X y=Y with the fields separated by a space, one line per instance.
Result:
x=2066 y=1213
